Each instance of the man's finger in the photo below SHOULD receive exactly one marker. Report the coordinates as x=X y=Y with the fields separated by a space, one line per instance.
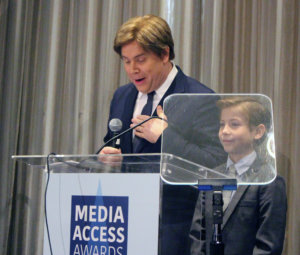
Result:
x=160 y=112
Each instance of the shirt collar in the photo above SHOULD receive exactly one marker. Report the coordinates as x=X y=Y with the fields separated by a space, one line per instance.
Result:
x=243 y=164
x=159 y=93
x=164 y=87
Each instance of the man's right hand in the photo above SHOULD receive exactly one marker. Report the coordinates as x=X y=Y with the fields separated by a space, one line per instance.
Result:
x=110 y=150
x=111 y=160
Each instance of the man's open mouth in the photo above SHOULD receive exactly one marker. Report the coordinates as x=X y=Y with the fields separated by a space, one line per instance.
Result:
x=139 y=80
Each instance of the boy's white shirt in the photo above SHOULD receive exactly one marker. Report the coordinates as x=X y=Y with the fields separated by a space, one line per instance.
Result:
x=243 y=164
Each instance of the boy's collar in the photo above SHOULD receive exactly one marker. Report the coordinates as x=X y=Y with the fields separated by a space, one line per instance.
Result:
x=243 y=164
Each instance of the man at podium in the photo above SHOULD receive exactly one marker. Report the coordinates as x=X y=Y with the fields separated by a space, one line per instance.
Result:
x=145 y=45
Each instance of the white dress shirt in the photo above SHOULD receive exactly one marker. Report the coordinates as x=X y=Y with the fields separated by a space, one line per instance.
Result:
x=243 y=164
x=159 y=93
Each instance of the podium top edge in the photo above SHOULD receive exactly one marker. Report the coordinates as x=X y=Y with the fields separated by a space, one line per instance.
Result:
x=83 y=155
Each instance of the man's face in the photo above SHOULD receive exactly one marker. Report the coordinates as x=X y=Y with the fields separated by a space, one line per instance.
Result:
x=146 y=70
x=235 y=134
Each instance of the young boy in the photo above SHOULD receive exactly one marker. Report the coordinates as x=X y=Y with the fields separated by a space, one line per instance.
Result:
x=255 y=218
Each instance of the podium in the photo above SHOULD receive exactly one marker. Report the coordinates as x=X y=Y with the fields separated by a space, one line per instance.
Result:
x=107 y=204
x=139 y=203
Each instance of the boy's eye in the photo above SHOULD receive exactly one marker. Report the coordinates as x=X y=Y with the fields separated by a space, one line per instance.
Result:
x=235 y=124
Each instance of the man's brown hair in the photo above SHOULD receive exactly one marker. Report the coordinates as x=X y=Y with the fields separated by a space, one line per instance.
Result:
x=151 y=32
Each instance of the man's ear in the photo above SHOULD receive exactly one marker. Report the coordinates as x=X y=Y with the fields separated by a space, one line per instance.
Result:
x=259 y=131
x=166 y=54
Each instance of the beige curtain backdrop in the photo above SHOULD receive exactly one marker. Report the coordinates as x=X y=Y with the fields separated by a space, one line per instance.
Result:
x=58 y=73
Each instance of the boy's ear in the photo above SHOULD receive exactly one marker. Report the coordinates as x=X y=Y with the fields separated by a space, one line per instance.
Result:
x=259 y=131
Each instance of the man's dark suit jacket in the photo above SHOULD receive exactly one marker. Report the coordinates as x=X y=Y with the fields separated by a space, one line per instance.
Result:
x=253 y=223
x=123 y=102
x=178 y=201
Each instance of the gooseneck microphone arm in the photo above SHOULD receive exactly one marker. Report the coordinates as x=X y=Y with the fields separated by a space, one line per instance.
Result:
x=127 y=130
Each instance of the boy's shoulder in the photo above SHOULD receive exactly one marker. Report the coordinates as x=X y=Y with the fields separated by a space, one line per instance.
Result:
x=260 y=171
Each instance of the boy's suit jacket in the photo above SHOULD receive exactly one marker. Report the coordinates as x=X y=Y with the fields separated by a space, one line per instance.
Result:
x=253 y=223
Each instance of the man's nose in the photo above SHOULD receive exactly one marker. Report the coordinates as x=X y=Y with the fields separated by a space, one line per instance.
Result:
x=133 y=67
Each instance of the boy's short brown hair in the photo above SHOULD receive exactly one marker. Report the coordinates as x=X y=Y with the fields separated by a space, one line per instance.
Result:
x=151 y=32
x=253 y=110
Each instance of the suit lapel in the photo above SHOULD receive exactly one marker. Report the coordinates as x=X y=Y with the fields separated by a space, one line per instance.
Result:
x=252 y=174
x=208 y=218
x=128 y=112
x=233 y=203
x=177 y=86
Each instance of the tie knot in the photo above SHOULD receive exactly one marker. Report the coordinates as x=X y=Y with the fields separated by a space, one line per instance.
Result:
x=232 y=171
x=150 y=95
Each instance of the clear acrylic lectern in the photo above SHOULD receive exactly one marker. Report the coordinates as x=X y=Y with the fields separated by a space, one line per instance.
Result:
x=143 y=203
x=109 y=204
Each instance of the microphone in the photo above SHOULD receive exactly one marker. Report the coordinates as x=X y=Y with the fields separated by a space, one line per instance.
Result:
x=115 y=126
x=126 y=131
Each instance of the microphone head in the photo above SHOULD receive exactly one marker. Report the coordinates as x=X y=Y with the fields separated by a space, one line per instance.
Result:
x=115 y=125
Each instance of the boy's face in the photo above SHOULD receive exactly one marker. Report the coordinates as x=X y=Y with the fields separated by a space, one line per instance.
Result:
x=235 y=133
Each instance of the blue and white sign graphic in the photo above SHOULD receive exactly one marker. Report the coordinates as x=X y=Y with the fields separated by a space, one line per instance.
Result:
x=103 y=214
x=99 y=225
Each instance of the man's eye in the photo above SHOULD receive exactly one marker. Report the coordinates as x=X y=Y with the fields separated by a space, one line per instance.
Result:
x=125 y=60
x=140 y=60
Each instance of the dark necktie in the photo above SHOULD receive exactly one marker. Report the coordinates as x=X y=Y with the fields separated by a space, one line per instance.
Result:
x=147 y=110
